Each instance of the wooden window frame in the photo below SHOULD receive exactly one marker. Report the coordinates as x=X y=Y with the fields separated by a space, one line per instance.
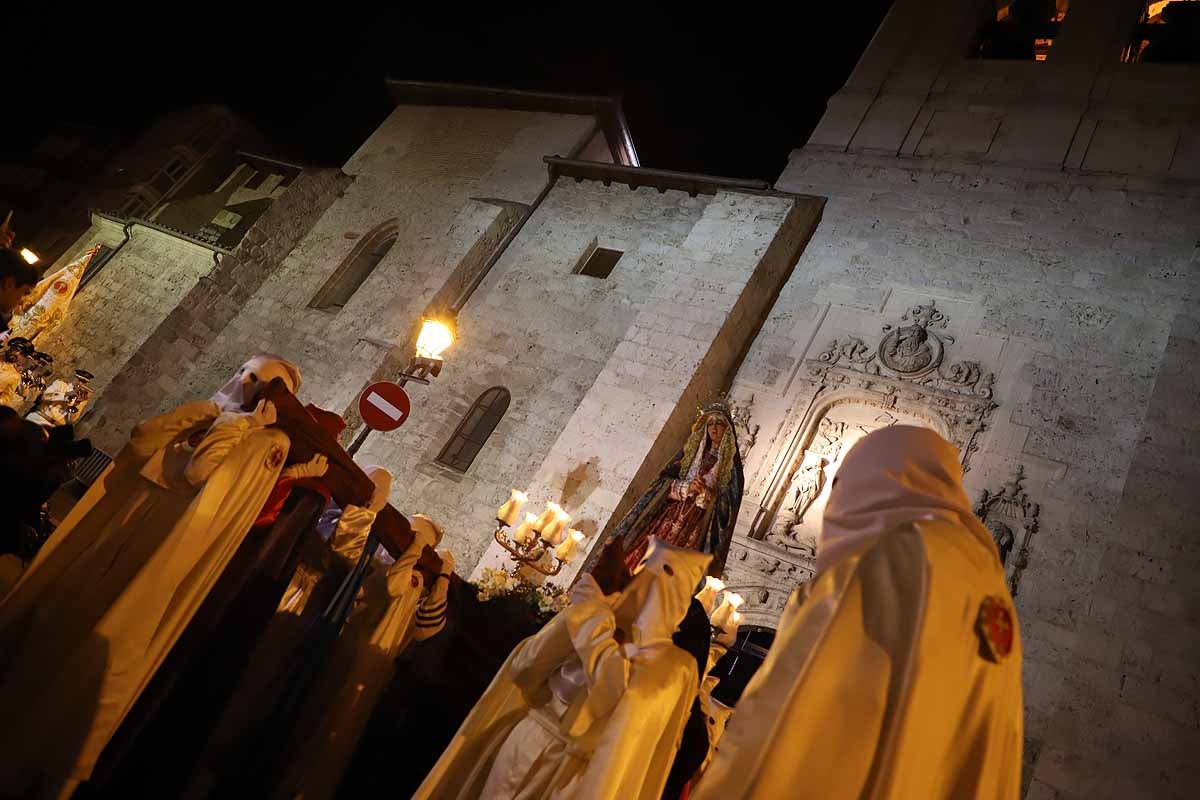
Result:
x=475 y=431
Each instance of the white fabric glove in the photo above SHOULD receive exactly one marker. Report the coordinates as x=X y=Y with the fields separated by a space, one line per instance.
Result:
x=317 y=466
x=447 y=562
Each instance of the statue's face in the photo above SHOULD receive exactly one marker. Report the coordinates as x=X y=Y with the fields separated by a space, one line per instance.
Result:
x=251 y=386
x=716 y=429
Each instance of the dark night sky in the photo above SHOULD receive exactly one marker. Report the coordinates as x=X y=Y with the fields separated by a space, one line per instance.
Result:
x=727 y=89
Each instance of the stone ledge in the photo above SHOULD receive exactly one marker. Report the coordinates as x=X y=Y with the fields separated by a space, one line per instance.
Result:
x=661 y=179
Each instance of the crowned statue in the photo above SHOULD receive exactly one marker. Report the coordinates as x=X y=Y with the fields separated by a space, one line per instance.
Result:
x=695 y=500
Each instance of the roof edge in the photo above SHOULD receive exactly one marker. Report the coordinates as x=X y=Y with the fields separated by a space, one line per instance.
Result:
x=607 y=109
x=121 y=219
x=661 y=179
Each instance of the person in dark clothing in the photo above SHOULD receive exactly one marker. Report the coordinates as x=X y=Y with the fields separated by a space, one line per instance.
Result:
x=34 y=461
x=16 y=280
x=695 y=637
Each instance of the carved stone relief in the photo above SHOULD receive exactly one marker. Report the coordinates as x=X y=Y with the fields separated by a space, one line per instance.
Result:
x=1012 y=519
x=747 y=433
x=853 y=388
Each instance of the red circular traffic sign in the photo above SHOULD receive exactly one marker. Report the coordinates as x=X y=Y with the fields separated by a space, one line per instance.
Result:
x=384 y=406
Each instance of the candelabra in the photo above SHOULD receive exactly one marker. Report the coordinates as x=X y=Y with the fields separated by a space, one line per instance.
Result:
x=536 y=538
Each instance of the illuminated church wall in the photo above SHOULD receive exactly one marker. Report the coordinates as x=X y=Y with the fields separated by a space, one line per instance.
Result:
x=1063 y=261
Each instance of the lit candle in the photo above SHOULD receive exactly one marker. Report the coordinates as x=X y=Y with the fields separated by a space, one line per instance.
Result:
x=729 y=606
x=554 y=533
x=549 y=515
x=525 y=530
x=510 y=512
x=708 y=595
x=567 y=549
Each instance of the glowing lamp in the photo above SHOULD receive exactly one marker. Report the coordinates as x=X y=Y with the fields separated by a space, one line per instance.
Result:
x=525 y=530
x=30 y=257
x=567 y=549
x=510 y=512
x=730 y=603
x=433 y=340
x=554 y=530
x=708 y=595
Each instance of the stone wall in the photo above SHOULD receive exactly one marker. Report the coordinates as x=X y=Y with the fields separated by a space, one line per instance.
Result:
x=118 y=309
x=1074 y=298
x=162 y=371
x=915 y=93
x=608 y=382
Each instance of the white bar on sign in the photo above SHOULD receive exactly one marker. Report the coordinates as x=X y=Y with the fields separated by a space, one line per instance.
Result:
x=385 y=406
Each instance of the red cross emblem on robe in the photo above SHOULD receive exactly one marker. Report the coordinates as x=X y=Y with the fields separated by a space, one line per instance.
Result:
x=995 y=628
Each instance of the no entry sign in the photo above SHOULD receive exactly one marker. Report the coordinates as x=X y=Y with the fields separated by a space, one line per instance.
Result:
x=384 y=406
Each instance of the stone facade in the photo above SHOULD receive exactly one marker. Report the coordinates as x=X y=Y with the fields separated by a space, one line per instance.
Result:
x=1001 y=251
x=1053 y=271
x=614 y=370
x=118 y=309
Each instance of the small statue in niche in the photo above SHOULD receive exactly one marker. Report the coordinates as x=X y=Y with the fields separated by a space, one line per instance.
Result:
x=1004 y=538
x=828 y=442
x=746 y=432
x=809 y=482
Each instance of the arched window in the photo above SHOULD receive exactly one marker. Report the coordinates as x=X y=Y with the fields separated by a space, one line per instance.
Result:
x=475 y=428
x=357 y=267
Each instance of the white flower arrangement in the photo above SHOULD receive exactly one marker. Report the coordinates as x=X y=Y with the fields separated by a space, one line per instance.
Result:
x=547 y=599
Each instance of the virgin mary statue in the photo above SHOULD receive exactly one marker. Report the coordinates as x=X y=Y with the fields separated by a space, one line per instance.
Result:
x=695 y=500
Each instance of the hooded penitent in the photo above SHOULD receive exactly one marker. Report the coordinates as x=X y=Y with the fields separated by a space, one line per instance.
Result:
x=899 y=674
x=111 y=591
x=694 y=502
x=558 y=719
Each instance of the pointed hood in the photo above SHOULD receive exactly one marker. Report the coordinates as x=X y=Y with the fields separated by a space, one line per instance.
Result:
x=892 y=477
x=658 y=597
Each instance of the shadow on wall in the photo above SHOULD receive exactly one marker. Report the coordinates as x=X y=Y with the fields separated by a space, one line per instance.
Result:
x=581 y=481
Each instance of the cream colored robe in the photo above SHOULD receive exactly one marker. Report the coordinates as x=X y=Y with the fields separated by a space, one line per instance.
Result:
x=875 y=686
x=617 y=737
x=362 y=662
x=93 y=617
x=584 y=632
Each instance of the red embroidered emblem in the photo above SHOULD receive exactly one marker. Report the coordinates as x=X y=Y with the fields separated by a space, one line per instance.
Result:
x=61 y=287
x=415 y=582
x=995 y=628
x=275 y=459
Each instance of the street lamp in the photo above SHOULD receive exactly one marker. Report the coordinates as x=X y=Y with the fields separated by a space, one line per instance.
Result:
x=30 y=257
x=434 y=338
x=436 y=335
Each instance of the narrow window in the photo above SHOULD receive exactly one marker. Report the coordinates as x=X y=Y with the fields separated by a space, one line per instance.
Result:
x=474 y=430
x=1168 y=32
x=1019 y=29
x=599 y=262
x=357 y=267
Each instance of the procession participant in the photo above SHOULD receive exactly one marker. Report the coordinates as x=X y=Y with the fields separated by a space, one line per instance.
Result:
x=395 y=607
x=558 y=719
x=899 y=675
x=108 y=595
